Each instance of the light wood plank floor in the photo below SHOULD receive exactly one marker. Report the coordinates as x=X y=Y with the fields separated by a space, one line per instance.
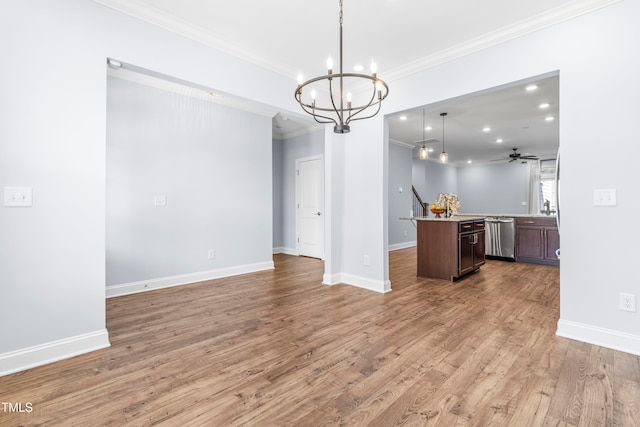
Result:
x=278 y=348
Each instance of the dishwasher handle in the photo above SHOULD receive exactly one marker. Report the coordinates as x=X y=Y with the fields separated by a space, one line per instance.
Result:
x=499 y=220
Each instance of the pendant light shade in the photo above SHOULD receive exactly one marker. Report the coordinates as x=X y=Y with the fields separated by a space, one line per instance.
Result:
x=424 y=153
x=444 y=157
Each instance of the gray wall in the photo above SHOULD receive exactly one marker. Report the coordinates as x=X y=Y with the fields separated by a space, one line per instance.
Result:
x=287 y=151
x=278 y=187
x=400 y=203
x=493 y=189
x=432 y=178
x=196 y=154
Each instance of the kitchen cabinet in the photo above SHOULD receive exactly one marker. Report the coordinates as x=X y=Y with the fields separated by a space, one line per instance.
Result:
x=537 y=239
x=449 y=248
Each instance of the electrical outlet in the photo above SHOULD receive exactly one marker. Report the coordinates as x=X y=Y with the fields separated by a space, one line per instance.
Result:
x=211 y=254
x=628 y=302
x=367 y=261
x=405 y=232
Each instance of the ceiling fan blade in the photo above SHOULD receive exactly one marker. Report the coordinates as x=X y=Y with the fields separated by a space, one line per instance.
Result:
x=531 y=157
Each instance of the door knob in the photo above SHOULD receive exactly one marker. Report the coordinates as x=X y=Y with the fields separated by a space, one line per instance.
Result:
x=318 y=214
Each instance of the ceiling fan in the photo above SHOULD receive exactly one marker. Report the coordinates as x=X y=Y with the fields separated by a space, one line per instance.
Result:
x=517 y=156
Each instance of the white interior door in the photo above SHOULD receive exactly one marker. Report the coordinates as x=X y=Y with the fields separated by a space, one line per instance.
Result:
x=310 y=206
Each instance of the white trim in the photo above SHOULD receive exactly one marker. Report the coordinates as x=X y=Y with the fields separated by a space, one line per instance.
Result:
x=621 y=341
x=403 y=144
x=331 y=279
x=184 y=279
x=42 y=354
x=357 y=281
x=286 y=251
x=313 y=127
x=529 y=25
x=162 y=19
x=404 y=245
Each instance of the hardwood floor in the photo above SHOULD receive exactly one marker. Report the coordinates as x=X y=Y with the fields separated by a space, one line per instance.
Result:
x=278 y=348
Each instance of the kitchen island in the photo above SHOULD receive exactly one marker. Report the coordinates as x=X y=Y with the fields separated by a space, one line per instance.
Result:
x=449 y=248
x=536 y=236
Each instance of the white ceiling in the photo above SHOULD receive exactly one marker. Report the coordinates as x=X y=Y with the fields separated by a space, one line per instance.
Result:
x=513 y=114
x=403 y=36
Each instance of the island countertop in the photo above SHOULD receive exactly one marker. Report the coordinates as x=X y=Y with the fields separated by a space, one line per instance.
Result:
x=451 y=219
x=481 y=215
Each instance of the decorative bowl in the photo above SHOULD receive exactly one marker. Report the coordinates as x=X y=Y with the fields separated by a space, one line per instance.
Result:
x=437 y=211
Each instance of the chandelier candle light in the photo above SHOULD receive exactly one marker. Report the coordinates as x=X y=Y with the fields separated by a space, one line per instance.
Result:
x=342 y=112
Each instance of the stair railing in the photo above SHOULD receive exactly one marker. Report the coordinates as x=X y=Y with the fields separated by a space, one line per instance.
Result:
x=420 y=208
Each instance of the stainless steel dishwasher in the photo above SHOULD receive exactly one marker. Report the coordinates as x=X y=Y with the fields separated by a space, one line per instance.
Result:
x=500 y=233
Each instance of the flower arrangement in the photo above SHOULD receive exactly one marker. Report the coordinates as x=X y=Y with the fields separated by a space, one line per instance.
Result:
x=449 y=202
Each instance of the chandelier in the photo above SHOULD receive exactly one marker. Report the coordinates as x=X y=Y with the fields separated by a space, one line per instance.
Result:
x=338 y=108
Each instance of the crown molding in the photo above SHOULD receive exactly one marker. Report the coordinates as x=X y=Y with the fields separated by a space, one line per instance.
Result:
x=167 y=21
x=305 y=131
x=401 y=144
x=554 y=16
x=524 y=27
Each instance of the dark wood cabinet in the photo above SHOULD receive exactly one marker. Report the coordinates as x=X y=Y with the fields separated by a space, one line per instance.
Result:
x=449 y=249
x=537 y=239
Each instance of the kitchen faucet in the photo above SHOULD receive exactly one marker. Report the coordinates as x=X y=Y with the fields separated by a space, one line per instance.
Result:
x=547 y=206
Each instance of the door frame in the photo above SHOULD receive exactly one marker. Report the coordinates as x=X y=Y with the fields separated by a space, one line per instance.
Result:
x=297 y=190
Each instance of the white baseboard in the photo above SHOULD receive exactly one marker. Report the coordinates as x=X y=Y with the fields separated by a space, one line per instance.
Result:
x=184 y=279
x=20 y=360
x=286 y=251
x=622 y=341
x=331 y=279
x=360 y=282
x=404 y=245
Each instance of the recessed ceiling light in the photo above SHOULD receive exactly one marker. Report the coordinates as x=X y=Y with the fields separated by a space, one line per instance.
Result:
x=428 y=128
x=403 y=118
x=544 y=105
x=549 y=118
x=358 y=68
x=430 y=149
x=469 y=162
x=531 y=88
x=486 y=129
x=499 y=140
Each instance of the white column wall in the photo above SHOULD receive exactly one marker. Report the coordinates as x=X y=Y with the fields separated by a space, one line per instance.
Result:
x=365 y=226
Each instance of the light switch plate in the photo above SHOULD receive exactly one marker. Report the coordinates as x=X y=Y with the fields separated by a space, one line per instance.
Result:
x=604 y=197
x=18 y=196
x=160 y=201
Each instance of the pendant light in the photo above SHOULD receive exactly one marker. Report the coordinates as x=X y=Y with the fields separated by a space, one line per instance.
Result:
x=444 y=157
x=424 y=153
